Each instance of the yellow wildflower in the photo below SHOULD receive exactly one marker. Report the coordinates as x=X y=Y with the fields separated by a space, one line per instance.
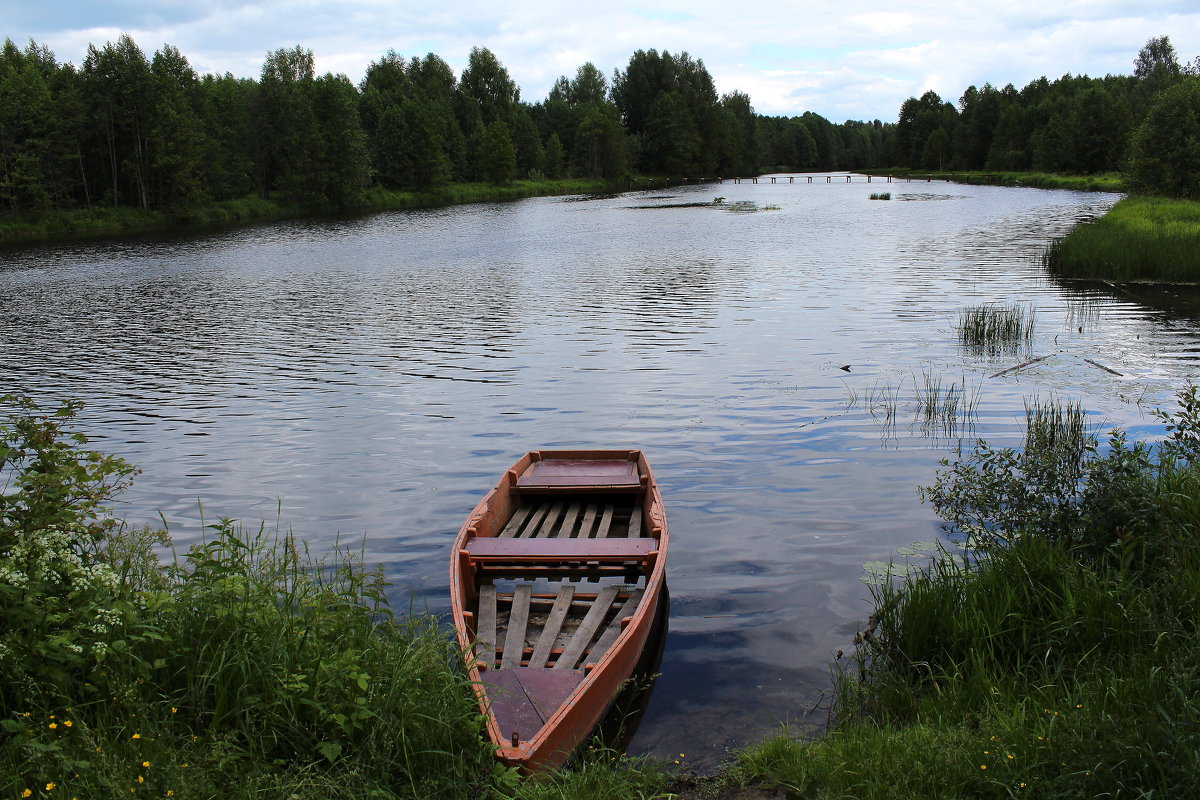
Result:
x=141 y=779
x=27 y=792
x=68 y=723
x=50 y=786
x=53 y=725
x=983 y=766
x=1010 y=755
x=145 y=763
x=137 y=736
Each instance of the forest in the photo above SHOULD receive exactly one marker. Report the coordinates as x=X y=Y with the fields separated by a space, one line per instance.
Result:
x=1074 y=124
x=126 y=130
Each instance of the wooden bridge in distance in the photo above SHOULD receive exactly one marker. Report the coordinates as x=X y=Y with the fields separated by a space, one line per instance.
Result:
x=816 y=178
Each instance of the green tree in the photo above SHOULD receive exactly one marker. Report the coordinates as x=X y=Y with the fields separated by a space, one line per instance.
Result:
x=176 y=141
x=554 y=160
x=119 y=90
x=497 y=154
x=487 y=88
x=342 y=163
x=26 y=126
x=1165 y=150
x=224 y=107
x=287 y=132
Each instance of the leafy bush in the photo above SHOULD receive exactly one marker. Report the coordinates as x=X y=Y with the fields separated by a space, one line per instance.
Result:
x=61 y=606
x=246 y=668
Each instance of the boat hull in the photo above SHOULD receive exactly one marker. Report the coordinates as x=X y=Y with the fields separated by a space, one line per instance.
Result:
x=556 y=577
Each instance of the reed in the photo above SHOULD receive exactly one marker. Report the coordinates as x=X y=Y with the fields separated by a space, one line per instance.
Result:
x=944 y=409
x=994 y=329
x=880 y=196
x=1058 y=426
x=1083 y=312
x=1139 y=239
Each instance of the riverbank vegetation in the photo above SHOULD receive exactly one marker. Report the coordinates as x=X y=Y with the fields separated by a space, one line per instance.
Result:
x=1052 y=655
x=1050 y=651
x=1140 y=239
x=247 y=667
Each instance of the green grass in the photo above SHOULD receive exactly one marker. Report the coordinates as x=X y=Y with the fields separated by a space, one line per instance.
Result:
x=1055 y=657
x=245 y=668
x=1099 y=182
x=109 y=221
x=992 y=329
x=880 y=196
x=1139 y=239
x=251 y=667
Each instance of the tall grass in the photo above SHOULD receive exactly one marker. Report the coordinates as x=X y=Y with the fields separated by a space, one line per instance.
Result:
x=993 y=329
x=947 y=408
x=1058 y=657
x=1139 y=239
x=253 y=667
x=246 y=668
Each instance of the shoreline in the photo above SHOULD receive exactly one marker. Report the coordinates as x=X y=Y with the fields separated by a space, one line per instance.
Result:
x=105 y=222
x=108 y=222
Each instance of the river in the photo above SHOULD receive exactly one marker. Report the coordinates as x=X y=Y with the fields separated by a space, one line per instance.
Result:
x=365 y=379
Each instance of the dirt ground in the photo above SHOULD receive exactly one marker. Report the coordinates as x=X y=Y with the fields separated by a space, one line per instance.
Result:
x=703 y=788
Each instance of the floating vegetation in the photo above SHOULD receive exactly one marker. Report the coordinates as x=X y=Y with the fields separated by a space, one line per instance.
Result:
x=880 y=196
x=992 y=328
x=737 y=207
x=930 y=196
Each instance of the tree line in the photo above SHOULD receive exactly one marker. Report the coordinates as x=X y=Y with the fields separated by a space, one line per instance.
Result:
x=124 y=129
x=1074 y=124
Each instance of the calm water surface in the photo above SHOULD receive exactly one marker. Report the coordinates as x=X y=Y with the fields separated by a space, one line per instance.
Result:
x=369 y=378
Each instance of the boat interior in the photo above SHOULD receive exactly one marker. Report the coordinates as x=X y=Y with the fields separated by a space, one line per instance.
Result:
x=541 y=604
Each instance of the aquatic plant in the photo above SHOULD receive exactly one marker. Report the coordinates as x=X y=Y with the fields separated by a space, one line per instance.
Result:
x=880 y=196
x=947 y=408
x=992 y=328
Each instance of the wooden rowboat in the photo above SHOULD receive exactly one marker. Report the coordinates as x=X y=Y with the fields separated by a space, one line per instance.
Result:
x=555 y=578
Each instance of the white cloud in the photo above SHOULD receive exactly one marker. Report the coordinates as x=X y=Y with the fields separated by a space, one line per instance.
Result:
x=821 y=56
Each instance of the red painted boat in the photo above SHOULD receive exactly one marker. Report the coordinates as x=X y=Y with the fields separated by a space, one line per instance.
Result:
x=555 y=579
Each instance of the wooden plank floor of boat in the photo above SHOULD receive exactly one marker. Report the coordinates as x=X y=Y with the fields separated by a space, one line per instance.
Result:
x=579 y=519
x=535 y=647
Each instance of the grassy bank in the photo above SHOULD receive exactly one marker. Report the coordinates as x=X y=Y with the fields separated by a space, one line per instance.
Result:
x=108 y=221
x=1055 y=655
x=244 y=668
x=1139 y=239
x=1100 y=182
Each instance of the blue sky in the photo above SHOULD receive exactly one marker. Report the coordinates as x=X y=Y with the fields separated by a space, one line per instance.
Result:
x=856 y=60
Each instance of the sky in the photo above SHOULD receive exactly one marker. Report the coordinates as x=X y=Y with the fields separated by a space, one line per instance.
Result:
x=843 y=60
